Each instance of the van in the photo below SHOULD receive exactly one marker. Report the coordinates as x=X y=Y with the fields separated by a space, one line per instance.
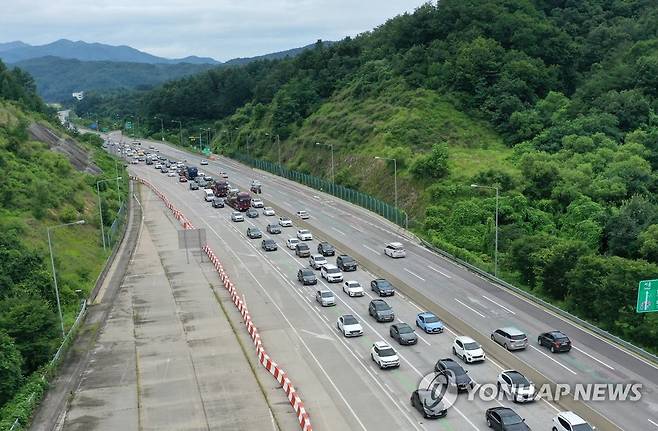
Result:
x=510 y=338
x=209 y=195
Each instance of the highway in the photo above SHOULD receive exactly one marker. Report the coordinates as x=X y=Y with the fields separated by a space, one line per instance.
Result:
x=366 y=397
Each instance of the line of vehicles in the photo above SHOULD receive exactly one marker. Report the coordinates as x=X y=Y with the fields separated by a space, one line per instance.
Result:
x=510 y=382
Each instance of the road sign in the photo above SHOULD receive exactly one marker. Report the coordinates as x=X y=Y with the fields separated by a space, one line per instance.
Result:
x=647 y=296
x=129 y=125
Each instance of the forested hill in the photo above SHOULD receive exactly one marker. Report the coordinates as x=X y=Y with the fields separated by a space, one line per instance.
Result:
x=552 y=101
x=39 y=188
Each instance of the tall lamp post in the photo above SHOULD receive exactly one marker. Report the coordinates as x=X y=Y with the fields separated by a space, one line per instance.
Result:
x=161 y=127
x=331 y=146
x=52 y=263
x=395 y=182
x=180 y=131
x=100 y=205
x=497 y=189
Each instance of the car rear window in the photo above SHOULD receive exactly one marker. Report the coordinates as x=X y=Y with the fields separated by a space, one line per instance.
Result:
x=302 y=246
x=518 y=337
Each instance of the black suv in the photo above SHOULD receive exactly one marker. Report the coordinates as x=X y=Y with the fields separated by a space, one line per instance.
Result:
x=382 y=287
x=346 y=263
x=306 y=276
x=269 y=245
x=326 y=249
x=453 y=374
x=555 y=340
x=381 y=311
x=302 y=250
x=218 y=203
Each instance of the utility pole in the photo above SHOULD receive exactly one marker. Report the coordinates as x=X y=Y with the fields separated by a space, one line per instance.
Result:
x=180 y=131
x=161 y=127
x=497 y=189
x=331 y=146
x=395 y=183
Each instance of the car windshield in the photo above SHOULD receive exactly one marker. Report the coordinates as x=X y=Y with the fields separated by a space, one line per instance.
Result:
x=353 y=284
x=405 y=329
x=431 y=319
x=302 y=246
x=471 y=346
x=255 y=230
x=333 y=270
x=387 y=352
x=269 y=242
x=455 y=368
x=511 y=419
x=319 y=259
x=350 y=320
x=381 y=306
x=347 y=259
x=295 y=240
x=383 y=283
x=307 y=272
x=303 y=232
x=327 y=294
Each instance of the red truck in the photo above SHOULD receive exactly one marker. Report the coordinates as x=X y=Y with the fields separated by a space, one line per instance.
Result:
x=220 y=188
x=240 y=201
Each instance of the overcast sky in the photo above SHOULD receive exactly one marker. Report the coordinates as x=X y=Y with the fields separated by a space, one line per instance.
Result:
x=222 y=29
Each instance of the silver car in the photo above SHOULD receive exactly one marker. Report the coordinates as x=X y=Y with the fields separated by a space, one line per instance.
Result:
x=325 y=298
x=510 y=338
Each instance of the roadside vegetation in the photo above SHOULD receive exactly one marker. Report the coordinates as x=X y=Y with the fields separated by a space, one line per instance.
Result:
x=40 y=188
x=552 y=102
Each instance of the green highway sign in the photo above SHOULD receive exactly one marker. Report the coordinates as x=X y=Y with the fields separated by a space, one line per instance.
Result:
x=647 y=296
x=129 y=125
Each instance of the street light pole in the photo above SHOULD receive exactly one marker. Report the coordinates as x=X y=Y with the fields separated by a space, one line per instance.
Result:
x=395 y=183
x=180 y=131
x=100 y=206
x=52 y=263
x=497 y=189
x=161 y=127
x=331 y=146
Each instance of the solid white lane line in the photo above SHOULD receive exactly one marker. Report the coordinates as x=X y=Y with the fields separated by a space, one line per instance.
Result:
x=423 y=340
x=472 y=309
x=500 y=305
x=557 y=362
x=597 y=360
x=439 y=271
x=340 y=232
x=372 y=250
x=414 y=274
x=654 y=423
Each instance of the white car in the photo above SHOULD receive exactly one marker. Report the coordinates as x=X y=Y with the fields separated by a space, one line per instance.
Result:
x=353 y=288
x=303 y=214
x=395 y=250
x=316 y=261
x=384 y=355
x=349 y=326
x=304 y=235
x=268 y=211
x=158 y=166
x=516 y=386
x=468 y=349
x=569 y=421
x=237 y=216
x=172 y=174
x=285 y=222
x=291 y=243
x=331 y=273
x=204 y=162
x=257 y=203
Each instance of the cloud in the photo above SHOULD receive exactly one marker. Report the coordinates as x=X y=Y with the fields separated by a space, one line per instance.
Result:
x=221 y=29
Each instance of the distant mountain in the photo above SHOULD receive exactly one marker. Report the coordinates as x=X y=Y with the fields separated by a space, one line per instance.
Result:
x=277 y=55
x=14 y=52
x=57 y=78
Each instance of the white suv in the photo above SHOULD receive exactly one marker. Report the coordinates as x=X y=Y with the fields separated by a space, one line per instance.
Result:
x=331 y=273
x=257 y=203
x=384 y=355
x=468 y=349
x=569 y=421
x=291 y=243
x=316 y=261
x=395 y=250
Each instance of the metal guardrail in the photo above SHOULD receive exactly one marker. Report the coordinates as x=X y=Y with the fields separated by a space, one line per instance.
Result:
x=605 y=334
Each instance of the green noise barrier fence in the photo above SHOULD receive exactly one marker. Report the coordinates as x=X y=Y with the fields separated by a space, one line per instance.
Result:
x=390 y=212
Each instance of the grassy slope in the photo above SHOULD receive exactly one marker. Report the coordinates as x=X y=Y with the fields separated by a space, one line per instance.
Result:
x=78 y=252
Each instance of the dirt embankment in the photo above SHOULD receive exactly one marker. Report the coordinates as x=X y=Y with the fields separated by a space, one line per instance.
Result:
x=72 y=150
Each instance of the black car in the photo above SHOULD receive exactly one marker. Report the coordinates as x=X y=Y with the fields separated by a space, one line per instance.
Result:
x=269 y=245
x=428 y=404
x=382 y=287
x=274 y=229
x=555 y=340
x=381 y=311
x=346 y=263
x=194 y=186
x=326 y=249
x=302 y=250
x=306 y=276
x=218 y=203
x=254 y=232
x=505 y=419
x=252 y=213
x=403 y=333
x=454 y=374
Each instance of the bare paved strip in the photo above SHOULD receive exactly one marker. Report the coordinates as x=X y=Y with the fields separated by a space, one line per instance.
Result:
x=168 y=358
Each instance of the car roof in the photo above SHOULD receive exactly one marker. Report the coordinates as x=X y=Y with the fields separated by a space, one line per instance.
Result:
x=381 y=344
x=465 y=339
x=330 y=266
x=572 y=418
x=395 y=244
x=427 y=314
x=293 y=239
x=558 y=334
x=511 y=330
x=325 y=291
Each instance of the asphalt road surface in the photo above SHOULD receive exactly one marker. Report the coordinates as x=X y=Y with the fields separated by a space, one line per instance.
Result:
x=482 y=305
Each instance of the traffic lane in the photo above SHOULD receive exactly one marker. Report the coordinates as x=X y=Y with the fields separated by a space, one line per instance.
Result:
x=471 y=414
x=348 y=383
